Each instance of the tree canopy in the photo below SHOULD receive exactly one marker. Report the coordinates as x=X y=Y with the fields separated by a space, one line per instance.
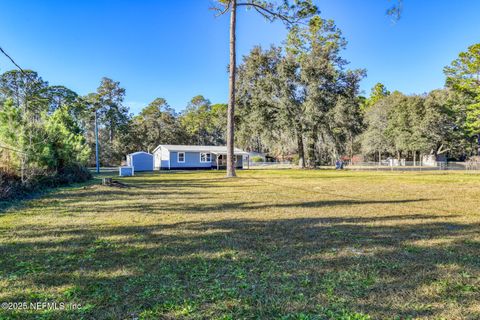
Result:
x=463 y=75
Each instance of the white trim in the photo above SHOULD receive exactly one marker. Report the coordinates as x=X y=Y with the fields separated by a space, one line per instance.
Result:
x=178 y=157
x=205 y=153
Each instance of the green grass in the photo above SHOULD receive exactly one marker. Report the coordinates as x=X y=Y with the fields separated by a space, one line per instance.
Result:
x=284 y=244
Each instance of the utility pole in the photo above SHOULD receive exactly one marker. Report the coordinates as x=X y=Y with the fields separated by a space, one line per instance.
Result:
x=96 y=143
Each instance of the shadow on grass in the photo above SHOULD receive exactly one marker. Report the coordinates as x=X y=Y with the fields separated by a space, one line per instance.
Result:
x=412 y=265
x=184 y=207
x=248 y=268
x=23 y=200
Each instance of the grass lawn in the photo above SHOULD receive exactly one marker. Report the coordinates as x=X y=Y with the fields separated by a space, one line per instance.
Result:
x=286 y=244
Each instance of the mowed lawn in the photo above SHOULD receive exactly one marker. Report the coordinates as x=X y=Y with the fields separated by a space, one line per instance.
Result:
x=271 y=244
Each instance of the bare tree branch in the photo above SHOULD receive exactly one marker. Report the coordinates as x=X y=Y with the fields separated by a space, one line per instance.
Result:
x=221 y=12
x=266 y=16
x=265 y=12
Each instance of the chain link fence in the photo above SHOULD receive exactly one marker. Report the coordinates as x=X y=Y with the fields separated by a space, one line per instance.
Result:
x=415 y=166
x=269 y=165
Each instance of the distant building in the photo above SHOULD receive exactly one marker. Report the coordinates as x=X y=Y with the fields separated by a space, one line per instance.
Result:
x=432 y=160
x=140 y=161
x=184 y=157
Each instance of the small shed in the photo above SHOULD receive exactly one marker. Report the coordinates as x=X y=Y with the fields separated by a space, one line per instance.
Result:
x=140 y=161
x=125 y=171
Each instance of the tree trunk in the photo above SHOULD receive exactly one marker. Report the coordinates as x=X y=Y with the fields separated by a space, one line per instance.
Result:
x=311 y=152
x=351 y=149
x=231 y=101
x=301 y=151
x=111 y=132
x=478 y=145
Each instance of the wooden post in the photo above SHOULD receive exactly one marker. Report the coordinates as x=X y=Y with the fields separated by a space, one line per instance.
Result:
x=107 y=181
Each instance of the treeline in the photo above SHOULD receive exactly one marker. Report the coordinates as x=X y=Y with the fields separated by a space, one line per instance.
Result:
x=410 y=127
x=301 y=102
x=41 y=142
x=201 y=123
x=298 y=102
x=300 y=99
x=47 y=133
x=45 y=127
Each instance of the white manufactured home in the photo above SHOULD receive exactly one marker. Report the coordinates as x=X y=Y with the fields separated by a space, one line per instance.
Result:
x=183 y=157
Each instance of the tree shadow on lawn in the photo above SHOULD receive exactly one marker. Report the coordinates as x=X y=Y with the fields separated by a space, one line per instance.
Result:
x=161 y=208
x=135 y=187
x=252 y=206
x=406 y=266
x=161 y=200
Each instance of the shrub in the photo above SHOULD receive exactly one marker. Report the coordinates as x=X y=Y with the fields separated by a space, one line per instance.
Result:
x=75 y=173
x=257 y=159
x=70 y=174
x=295 y=159
x=10 y=185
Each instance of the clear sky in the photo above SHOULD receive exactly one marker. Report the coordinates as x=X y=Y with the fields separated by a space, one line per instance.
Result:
x=178 y=49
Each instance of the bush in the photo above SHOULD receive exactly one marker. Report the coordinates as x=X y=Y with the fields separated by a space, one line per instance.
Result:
x=295 y=159
x=11 y=186
x=257 y=159
x=71 y=174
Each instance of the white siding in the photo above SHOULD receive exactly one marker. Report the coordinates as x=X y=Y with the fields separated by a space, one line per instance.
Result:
x=161 y=158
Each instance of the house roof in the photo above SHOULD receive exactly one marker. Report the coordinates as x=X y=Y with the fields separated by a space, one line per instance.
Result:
x=210 y=149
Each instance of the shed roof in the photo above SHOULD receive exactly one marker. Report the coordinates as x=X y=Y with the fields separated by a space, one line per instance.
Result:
x=139 y=152
x=190 y=148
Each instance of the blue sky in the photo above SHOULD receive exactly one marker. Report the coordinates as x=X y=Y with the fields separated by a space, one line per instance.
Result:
x=178 y=49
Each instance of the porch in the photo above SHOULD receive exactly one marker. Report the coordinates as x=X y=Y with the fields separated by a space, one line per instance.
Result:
x=219 y=161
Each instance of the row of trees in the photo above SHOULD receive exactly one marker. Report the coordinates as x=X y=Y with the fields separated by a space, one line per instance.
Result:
x=444 y=121
x=292 y=14
x=201 y=123
x=45 y=127
x=411 y=126
x=297 y=101
x=39 y=136
x=300 y=97
x=302 y=100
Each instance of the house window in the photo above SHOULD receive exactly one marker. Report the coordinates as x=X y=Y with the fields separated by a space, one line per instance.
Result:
x=205 y=157
x=181 y=157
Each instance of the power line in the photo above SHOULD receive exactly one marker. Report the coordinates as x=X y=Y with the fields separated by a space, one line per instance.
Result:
x=18 y=66
x=11 y=59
